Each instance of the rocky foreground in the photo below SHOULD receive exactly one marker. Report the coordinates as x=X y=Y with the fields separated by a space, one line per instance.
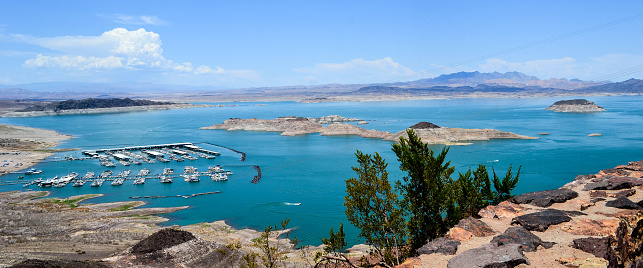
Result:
x=594 y=221
x=430 y=133
x=575 y=106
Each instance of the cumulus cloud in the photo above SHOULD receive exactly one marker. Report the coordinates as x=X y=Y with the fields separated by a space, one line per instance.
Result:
x=115 y=49
x=356 y=71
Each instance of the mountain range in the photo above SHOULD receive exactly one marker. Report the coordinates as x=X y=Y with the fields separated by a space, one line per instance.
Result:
x=461 y=83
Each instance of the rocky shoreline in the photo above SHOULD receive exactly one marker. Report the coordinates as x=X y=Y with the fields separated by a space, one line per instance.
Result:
x=107 y=110
x=430 y=133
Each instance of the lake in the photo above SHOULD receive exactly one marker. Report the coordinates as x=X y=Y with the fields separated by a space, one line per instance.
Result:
x=311 y=169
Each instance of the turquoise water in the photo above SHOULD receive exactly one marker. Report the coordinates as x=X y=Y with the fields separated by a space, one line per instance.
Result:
x=311 y=169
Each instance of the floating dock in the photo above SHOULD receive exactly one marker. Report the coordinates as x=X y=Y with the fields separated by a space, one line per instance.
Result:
x=187 y=145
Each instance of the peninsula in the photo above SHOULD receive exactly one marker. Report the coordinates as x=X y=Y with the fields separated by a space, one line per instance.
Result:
x=575 y=106
x=96 y=106
x=430 y=133
x=22 y=147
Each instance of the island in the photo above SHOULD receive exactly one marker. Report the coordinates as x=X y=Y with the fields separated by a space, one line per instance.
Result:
x=96 y=106
x=434 y=134
x=430 y=133
x=575 y=106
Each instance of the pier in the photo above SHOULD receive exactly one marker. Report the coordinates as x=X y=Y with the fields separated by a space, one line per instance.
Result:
x=243 y=155
x=186 y=145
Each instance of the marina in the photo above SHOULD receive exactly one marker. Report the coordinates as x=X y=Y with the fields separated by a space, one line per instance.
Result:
x=190 y=175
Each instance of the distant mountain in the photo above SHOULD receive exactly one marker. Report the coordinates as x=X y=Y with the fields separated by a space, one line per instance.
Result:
x=632 y=86
x=456 y=84
x=479 y=78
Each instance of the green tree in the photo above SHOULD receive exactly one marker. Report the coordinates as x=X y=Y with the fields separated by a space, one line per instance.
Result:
x=505 y=186
x=334 y=246
x=426 y=189
x=272 y=252
x=374 y=207
x=472 y=192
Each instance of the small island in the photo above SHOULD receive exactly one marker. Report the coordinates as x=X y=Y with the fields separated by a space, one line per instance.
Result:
x=96 y=106
x=428 y=132
x=575 y=106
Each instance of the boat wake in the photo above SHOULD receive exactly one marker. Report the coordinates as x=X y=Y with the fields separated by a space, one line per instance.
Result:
x=291 y=204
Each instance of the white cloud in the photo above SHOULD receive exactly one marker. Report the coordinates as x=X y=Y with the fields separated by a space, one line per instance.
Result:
x=115 y=49
x=75 y=62
x=614 y=67
x=133 y=19
x=207 y=70
x=544 y=69
x=356 y=71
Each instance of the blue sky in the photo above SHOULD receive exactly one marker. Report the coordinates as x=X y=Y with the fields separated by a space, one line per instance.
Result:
x=234 y=44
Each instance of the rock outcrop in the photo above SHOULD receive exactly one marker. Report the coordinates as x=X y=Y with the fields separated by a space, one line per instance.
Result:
x=509 y=255
x=607 y=233
x=575 y=106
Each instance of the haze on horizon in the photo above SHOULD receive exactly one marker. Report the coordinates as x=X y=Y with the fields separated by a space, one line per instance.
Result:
x=266 y=43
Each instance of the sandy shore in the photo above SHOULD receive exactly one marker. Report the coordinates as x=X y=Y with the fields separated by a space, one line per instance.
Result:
x=22 y=147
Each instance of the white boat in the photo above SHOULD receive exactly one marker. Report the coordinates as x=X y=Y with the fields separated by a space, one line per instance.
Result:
x=140 y=180
x=219 y=177
x=168 y=171
x=166 y=179
x=191 y=178
x=144 y=172
x=79 y=183
x=97 y=183
x=118 y=182
x=89 y=175
x=106 y=174
x=32 y=171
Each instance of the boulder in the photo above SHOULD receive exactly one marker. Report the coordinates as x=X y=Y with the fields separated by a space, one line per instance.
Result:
x=505 y=209
x=476 y=227
x=624 y=193
x=489 y=256
x=622 y=202
x=519 y=235
x=441 y=245
x=599 y=247
x=545 y=198
x=162 y=239
x=608 y=185
x=591 y=227
x=540 y=221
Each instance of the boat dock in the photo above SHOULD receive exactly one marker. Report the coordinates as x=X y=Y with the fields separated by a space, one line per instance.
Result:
x=185 y=145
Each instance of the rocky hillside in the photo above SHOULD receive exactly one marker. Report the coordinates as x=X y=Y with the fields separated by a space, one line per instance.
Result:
x=594 y=221
x=575 y=106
